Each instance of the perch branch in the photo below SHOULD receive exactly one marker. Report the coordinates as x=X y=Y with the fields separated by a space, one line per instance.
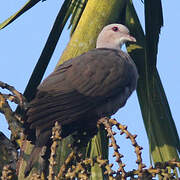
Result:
x=108 y=127
x=138 y=148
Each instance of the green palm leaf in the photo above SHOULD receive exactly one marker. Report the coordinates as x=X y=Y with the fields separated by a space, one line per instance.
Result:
x=159 y=124
x=48 y=50
x=26 y=7
x=76 y=14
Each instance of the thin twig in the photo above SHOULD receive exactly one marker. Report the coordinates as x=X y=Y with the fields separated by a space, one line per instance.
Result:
x=134 y=143
x=108 y=127
x=19 y=97
x=13 y=122
x=65 y=165
x=56 y=137
x=8 y=173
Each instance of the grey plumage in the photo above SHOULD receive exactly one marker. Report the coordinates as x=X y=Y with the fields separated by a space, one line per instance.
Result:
x=79 y=92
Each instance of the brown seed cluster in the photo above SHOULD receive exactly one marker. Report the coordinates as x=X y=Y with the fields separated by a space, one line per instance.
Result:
x=8 y=173
x=75 y=166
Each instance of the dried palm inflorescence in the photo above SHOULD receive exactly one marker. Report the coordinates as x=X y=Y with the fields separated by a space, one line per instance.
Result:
x=75 y=165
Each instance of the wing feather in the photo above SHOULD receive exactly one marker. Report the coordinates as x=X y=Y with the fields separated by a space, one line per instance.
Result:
x=80 y=86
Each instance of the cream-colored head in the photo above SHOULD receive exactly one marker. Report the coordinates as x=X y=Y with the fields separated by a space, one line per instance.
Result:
x=114 y=36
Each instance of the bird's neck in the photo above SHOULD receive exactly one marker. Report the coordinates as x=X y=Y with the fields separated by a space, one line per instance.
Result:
x=110 y=46
x=107 y=44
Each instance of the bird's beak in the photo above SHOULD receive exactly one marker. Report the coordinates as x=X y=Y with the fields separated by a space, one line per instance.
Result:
x=130 y=38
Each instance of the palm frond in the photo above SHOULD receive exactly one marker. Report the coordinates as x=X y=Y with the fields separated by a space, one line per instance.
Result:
x=48 y=50
x=153 y=24
x=78 y=9
x=26 y=7
x=159 y=124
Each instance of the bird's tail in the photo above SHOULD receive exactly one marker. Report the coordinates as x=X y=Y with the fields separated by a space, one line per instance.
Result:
x=35 y=157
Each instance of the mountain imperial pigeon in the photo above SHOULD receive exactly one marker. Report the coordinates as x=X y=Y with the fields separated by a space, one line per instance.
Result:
x=82 y=90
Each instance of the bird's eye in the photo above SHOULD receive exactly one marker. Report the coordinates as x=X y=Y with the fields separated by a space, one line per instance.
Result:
x=115 y=28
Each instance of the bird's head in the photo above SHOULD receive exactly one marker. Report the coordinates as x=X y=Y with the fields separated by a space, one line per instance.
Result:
x=114 y=36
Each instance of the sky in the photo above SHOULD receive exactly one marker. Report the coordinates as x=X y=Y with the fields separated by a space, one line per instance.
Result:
x=22 y=42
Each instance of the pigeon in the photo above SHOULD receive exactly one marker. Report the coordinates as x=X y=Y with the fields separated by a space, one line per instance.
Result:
x=82 y=90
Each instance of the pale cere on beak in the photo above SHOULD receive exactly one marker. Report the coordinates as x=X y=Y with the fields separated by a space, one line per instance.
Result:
x=131 y=38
